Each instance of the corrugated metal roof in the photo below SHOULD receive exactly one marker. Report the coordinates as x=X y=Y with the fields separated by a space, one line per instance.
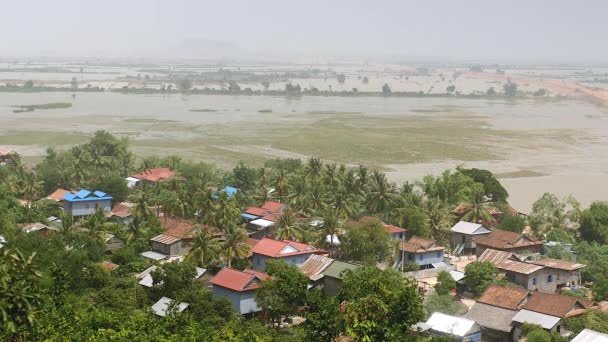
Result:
x=545 y=321
x=165 y=239
x=86 y=195
x=314 y=266
x=153 y=255
x=550 y=304
x=559 y=264
x=518 y=267
x=278 y=248
x=588 y=335
x=469 y=228
x=161 y=307
x=238 y=280
x=337 y=267
x=451 y=325
x=492 y=317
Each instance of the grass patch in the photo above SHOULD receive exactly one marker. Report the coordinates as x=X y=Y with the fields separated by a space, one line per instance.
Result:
x=42 y=138
x=31 y=108
x=520 y=174
x=204 y=110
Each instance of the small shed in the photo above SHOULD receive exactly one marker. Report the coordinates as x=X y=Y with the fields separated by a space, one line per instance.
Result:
x=164 y=306
x=458 y=328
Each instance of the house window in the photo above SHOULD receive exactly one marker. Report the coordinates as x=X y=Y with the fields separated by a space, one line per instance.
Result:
x=439 y=254
x=410 y=257
x=533 y=281
x=420 y=257
x=550 y=278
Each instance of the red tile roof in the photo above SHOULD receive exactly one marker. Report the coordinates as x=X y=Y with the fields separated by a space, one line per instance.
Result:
x=5 y=151
x=550 y=304
x=273 y=207
x=282 y=248
x=504 y=297
x=502 y=239
x=155 y=175
x=57 y=195
x=236 y=280
x=256 y=211
x=122 y=210
x=394 y=229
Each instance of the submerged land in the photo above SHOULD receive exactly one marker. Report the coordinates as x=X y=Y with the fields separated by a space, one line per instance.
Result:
x=535 y=142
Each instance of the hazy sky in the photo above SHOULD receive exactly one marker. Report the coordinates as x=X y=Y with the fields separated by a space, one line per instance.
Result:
x=516 y=30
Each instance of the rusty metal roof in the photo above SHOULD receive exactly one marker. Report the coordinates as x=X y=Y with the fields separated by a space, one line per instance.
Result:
x=518 y=267
x=165 y=239
x=559 y=264
x=314 y=266
x=504 y=297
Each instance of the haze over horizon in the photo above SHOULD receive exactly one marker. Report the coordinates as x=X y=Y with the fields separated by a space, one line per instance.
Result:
x=503 y=32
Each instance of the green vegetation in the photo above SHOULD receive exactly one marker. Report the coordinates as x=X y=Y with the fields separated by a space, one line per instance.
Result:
x=69 y=294
x=31 y=108
x=204 y=110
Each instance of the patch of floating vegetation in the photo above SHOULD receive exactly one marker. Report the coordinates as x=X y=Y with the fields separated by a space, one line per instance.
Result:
x=31 y=108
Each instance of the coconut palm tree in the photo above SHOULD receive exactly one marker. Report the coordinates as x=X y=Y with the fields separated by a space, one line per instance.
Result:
x=479 y=210
x=226 y=211
x=381 y=193
x=317 y=198
x=142 y=202
x=281 y=184
x=30 y=187
x=314 y=169
x=298 y=197
x=135 y=229
x=234 y=243
x=287 y=227
x=206 y=249
x=345 y=204
x=331 y=228
x=260 y=195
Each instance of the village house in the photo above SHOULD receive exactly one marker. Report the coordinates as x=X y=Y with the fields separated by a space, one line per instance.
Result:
x=313 y=268
x=238 y=287
x=548 y=311
x=162 y=306
x=145 y=277
x=396 y=233
x=463 y=236
x=565 y=273
x=545 y=275
x=6 y=155
x=420 y=251
x=150 y=175
x=122 y=213
x=588 y=335
x=504 y=240
x=57 y=195
x=332 y=276
x=37 y=227
x=260 y=219
x=85 y=202
x=289 y=251
x=494 y=312
x=452 y=327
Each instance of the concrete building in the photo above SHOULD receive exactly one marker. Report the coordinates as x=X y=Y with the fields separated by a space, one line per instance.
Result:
x=85 y=202
x=239 y=288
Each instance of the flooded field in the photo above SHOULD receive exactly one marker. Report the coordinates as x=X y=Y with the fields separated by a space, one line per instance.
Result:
x=537 y=145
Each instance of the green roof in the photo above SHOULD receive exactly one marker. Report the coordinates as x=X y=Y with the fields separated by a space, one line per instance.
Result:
x=337 y=267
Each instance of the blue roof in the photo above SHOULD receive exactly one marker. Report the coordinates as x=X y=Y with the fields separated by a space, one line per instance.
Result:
x=86 y=195
x=230 y=191
x=249 y=216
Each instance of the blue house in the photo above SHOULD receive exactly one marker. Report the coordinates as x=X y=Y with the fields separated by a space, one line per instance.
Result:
x=289 y=251
x=238 y=287
x=420 y=251
x=85 y=202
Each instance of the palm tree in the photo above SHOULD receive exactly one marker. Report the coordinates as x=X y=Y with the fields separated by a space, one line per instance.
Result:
x=362 y=176
x=31 y=187
x=381 y=193
x=281 y=184
x=479 y=210
x=298 y=198
x=287 y=227
x=226 y=211
x=206 y=248
x=317 y=198
x=135 y=229
x=345 y=204
x=67 y=225
x=142 y=202
x=331 y=227
x=260 y=195
x=314 y=168
x=234 y=246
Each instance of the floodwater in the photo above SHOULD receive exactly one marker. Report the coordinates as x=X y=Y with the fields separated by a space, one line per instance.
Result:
x=573 y=156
